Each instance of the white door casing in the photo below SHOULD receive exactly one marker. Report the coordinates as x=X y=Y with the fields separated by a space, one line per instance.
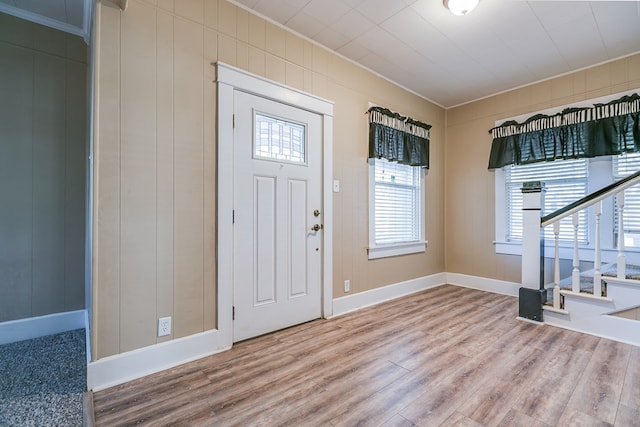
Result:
x=229 y=81
x=277 y=254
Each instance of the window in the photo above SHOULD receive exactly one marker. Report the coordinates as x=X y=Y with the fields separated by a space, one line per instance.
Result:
x=396 y=209
x=278 y=139
x=623 y=166
x=565 y=182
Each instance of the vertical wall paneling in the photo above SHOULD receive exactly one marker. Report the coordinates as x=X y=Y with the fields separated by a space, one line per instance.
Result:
x=16 y=182
x=164 y=166
x=138 y=178
x=42 y=170
x=75 y=183
x=210 y=149
x=211 y=14
x=48 y=184
x=106 y=325
x=192 y=10
x=188 y=178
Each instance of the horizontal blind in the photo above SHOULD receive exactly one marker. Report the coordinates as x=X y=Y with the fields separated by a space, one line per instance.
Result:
x=625 y=165
x=397 y=203
x=565 y=181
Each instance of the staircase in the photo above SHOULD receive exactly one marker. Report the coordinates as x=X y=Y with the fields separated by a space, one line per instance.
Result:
x=603 y=300
x=608 y=315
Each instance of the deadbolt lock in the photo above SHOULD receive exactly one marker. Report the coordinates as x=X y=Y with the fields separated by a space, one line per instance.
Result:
x=316 y=213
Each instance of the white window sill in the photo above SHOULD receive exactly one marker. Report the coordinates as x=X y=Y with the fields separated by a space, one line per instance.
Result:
x=397 y=249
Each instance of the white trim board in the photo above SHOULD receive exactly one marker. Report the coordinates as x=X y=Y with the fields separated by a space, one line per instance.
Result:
x=35 y=327
x=360 y=300
x=123 y=367
x=601 y=326
x=484 y=284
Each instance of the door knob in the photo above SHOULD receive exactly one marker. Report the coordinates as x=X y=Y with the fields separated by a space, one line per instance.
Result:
x=316 y=227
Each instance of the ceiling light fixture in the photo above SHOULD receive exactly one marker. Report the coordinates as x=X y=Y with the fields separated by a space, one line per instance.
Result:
x=460 y=7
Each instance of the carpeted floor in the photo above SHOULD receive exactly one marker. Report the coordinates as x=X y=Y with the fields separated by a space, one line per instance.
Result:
x=42 y=380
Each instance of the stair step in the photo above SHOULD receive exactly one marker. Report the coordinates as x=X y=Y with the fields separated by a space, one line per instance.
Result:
x=632 y=272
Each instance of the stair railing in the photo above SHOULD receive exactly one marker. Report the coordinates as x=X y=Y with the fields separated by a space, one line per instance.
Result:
x=533 y=235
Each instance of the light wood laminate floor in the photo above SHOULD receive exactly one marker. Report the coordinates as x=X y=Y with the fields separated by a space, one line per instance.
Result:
x=445 y=356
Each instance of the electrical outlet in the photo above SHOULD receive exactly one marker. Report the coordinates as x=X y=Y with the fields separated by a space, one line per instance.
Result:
x=164 y=326
x=347 y=285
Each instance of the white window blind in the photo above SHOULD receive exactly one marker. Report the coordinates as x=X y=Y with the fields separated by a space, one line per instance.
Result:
x=625 y=165
x=565 y=180
x=397 y=203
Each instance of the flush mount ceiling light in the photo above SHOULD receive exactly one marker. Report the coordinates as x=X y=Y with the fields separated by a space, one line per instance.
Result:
x=460 y=7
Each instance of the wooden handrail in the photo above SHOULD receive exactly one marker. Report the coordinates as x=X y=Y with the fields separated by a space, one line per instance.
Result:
x=590 y=199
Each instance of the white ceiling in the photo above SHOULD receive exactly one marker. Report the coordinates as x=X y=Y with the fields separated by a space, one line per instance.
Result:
x=452 y=60
x=420 y=45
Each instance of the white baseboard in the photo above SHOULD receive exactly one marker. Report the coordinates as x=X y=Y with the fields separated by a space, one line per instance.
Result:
x=120 y=368
x=123 y=367
x=360 y=300
x=484 y=284
x=603 y=326
x=35 y=327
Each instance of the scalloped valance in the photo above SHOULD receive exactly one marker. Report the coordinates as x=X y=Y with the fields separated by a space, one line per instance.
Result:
x=398 y=138
x=601 y=130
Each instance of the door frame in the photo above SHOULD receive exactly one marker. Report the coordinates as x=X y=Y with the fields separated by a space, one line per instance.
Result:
x=230 y=79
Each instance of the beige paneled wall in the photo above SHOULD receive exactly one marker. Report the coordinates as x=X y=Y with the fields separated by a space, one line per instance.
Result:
x=469 y=186
x=42 y=170
x=154 y=248
x=155 y=161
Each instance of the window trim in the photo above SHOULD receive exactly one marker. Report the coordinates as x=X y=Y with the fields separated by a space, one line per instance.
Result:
x=401 y=248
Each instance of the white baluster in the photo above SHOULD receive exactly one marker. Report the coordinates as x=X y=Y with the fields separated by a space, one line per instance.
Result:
x=621 y=256
x=575 y=275
x=597 y=263
x=556 y=266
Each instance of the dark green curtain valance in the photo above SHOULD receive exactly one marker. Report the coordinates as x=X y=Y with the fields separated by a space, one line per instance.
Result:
x=601 y=130
x=397 y=138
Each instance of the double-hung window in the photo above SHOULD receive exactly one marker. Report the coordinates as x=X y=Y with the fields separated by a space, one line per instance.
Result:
x=565 y=182
x=396 y=209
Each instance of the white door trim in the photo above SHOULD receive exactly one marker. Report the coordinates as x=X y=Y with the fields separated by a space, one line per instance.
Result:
x=228 y=80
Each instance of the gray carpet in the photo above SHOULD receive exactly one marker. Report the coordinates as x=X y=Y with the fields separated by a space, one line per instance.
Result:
x=42 y=380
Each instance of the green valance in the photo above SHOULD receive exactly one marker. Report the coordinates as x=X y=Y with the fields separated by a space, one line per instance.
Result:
x=397 y=138
x=601 y=130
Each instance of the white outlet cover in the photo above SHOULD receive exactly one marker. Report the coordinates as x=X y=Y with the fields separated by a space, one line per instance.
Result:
x=164 y=326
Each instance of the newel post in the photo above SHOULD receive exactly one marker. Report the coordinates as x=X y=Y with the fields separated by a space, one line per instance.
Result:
x=532 y=293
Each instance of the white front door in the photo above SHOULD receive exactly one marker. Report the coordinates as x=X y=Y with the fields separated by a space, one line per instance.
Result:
x=277 y=213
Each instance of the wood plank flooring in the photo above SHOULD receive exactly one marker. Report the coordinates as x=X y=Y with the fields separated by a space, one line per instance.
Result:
x=445 y=356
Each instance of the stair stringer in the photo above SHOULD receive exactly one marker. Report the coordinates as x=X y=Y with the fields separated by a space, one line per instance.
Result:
x=592 y=316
